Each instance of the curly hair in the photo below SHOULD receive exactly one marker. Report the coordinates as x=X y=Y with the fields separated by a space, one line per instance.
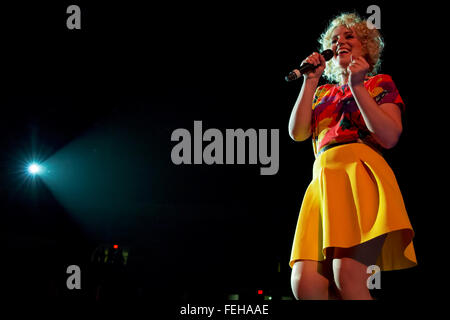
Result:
x=371 y=40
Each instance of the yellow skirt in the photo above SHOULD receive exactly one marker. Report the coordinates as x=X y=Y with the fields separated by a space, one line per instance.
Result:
x=353 y=198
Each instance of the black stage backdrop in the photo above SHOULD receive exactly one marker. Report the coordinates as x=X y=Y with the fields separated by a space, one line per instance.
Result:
x=97 y=106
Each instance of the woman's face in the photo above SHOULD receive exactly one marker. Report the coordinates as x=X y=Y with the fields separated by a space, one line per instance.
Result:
x=345 y=44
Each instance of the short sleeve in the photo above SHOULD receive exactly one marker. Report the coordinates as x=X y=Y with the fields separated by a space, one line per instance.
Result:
x=320 y=93
x=384 y=90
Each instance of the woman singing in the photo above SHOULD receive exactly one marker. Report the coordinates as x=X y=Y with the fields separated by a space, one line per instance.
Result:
x=352 y=215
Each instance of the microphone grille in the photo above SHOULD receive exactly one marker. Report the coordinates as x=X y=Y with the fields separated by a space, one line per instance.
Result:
x=328 y=54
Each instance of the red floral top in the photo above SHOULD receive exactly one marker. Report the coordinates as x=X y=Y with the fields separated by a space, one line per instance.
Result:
x=336 y=117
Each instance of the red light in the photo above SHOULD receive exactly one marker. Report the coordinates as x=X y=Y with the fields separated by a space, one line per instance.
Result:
x=115 y=246
x=260 y=292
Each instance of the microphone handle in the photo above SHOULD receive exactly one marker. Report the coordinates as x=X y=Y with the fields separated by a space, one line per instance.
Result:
x=306 y=67
x=296 y=73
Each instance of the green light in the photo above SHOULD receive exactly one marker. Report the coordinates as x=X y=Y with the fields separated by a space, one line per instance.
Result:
x=34 y=168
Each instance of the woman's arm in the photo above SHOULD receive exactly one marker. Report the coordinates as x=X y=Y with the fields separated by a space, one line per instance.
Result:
x=300 y=120
x=383 y=121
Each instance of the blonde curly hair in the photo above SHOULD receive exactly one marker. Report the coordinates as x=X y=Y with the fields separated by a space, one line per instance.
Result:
x=371 y=40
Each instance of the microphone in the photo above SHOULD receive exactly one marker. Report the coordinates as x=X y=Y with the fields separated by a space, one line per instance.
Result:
x=307 y=67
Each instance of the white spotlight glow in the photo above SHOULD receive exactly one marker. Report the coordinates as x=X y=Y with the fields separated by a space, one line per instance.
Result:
x=34 y=168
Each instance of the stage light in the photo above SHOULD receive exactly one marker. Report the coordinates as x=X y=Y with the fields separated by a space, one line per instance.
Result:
x=234 y=296
x=34 y=168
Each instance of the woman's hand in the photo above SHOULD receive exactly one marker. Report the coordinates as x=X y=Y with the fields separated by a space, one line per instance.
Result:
x=357 y=70
x=318 y=60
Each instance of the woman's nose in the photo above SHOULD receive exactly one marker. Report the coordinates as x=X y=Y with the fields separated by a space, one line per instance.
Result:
x=340 y=41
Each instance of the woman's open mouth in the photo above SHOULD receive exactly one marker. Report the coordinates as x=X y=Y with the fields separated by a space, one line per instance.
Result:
x=342 y=52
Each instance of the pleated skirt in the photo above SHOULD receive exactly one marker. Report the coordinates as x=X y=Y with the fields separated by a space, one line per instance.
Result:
x=353 y=197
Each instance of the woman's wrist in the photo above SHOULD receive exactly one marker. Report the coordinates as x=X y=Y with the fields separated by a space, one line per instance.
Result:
x=311 y=82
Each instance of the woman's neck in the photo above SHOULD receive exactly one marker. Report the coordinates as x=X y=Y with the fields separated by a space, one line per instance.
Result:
x=344 y=78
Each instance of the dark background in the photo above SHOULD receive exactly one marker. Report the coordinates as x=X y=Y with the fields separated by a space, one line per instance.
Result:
x=142 y=71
